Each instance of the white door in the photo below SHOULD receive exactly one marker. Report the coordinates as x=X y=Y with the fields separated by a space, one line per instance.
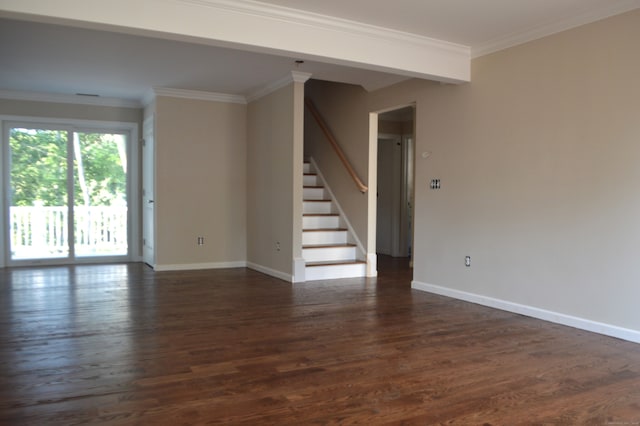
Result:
x=148 y=207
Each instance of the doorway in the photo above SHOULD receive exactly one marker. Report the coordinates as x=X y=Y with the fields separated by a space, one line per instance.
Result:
x=67 y=192
x=395 y=177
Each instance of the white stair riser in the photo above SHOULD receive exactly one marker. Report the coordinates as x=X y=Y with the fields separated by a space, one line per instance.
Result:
x=314 y=193
x=330 y=272
x=320 y=222
x=317 y=207
x=328 y=253
x=324 y=237
x=311 y=180
x=327 y=237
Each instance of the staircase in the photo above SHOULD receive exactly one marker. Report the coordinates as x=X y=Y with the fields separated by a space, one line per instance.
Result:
x=327 y=246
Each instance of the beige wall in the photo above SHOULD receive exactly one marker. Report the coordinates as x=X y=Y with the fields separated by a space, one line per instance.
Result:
x=538 y=160
x=200 y=187
x=274 y=170
x=69 y=111
x=390 y=127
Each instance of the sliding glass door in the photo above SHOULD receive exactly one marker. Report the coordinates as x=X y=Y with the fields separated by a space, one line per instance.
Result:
x=67 y=194
x=100 y=194
x=39 y=198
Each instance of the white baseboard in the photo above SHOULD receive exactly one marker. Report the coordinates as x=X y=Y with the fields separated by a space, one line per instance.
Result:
x=268 y=271
x=555 y=317
x=194 y=266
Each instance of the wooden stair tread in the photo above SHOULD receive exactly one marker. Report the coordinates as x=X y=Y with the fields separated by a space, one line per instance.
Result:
x=319 y=246
x=336 y=262
x=329 y=255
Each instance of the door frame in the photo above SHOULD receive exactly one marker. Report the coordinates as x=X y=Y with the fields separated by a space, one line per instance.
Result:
x=148 y=173
x=74 y=125
x=373 y=172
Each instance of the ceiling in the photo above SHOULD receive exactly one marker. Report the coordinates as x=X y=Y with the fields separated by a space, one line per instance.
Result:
x=474 y=23
x=47 y=58
x=65 y=60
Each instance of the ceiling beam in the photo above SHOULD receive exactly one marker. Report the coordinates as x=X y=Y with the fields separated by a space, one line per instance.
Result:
x=258 y=27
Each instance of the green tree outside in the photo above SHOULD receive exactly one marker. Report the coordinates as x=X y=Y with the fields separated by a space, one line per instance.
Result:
x=39 y=168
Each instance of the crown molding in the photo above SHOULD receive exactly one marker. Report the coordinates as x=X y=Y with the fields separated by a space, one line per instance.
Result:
x=69 y=99
x=295 y=76
x=300 y=77
x=195 y=94
x=300 y=17
x=148 y=98
x=521 y=37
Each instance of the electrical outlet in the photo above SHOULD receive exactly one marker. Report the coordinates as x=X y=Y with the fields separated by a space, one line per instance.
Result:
x=277 y=245
x=200 y=241
x=467 y=261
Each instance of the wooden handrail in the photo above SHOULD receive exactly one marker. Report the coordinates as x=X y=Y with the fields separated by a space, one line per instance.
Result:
x=325 y=129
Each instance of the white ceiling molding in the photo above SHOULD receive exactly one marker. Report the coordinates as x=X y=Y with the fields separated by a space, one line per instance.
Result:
x=336 y=33
x=300 y=77
x=332 y=23
x=295 y=76
x=69 y=99
x=521 y=37
x=254 y=26
x=196 y=94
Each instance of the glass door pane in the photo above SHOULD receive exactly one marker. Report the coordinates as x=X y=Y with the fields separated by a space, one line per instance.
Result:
x=38 y=206
x=100 y=194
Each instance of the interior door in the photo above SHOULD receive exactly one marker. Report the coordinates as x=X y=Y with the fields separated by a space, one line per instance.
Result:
x=385 y=190
x=148 y=201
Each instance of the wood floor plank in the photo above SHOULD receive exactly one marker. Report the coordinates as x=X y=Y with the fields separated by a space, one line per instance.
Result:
x=122 y=344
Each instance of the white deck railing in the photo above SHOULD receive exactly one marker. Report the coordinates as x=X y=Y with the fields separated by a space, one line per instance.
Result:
x=43 y=231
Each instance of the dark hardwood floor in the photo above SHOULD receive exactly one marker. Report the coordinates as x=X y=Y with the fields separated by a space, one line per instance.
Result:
x=121 y=344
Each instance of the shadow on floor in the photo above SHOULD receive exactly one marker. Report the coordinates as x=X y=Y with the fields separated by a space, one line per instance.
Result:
x=394 y=265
